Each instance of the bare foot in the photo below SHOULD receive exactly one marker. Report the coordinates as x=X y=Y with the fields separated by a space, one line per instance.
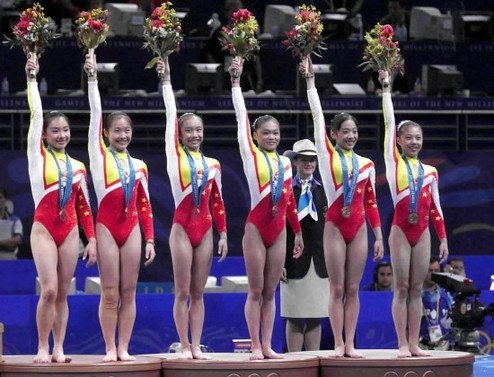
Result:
x=186 y=353
x=256 y=354
x=339 y=351
x=123 y=355
x=60 y=358
x=270 y=354
x=418 y=352
x=352 y=352
x=42 y=357
x=404 y=351
x=198 y=354
x=111 y=356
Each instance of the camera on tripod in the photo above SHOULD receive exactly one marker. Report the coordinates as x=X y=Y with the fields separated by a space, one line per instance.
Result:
x=467 y=312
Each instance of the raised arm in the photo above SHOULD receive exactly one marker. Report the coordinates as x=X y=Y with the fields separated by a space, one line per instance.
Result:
x=322 y=142
x=391 y=153
x=244 y=134
x=96 y=146
x=34 y=137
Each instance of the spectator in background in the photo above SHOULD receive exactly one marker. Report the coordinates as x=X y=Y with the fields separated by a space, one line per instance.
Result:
x=457 y=266
x=304 y=290
x=252 y=71
x=435 y=327
x=382 y=278
x=399 y=18
x=10 y=230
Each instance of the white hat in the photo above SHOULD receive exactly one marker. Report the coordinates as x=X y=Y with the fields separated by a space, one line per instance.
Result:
x=304 y=147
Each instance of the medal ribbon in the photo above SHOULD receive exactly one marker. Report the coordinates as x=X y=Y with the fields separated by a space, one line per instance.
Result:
x=348 y=186
x=127 y=185
x=414 y=188
x=276 y=184
x=197 y=191
x=64 y=190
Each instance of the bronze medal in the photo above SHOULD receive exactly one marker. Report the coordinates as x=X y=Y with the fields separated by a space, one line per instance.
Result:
x=126 y=214
x=197 y=212
x=413 y=218
x=346 y=212
x=274 y=210
x=62 y=214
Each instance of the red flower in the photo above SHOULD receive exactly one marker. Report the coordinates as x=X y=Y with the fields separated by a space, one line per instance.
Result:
x=387 y=31
x=242 y=15
x=97 y=26
x=157 y=23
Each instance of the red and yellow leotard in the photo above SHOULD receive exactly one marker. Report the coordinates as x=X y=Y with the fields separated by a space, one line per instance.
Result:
x=256 y=170
x=195 y=223
x=112 y=212
x=44 y=178
x=364 y=200
x=428 y=205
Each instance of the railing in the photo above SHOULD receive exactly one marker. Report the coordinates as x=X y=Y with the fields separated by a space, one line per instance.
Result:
x=449 y=125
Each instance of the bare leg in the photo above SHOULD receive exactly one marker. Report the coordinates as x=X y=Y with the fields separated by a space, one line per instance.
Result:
x=294 y=332
x=129 y=271
x=45 y=256
x=354 y=269
x=421 y=254
x=255 y=260
x=201 y=265
x=335 y=256
x=401 y=259
x=275 y=260
x=109 y=271
x=67 y=261
x=182 y=254
x=312 y=334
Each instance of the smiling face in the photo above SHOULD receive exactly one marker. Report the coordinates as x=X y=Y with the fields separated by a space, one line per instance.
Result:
x=119 y=133
x=267 y=135
x=305 y=165
x=410 y=139
x=347 y=134
x=191 y=132
x=57 y=133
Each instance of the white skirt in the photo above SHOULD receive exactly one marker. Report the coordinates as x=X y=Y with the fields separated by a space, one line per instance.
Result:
x=305 y=298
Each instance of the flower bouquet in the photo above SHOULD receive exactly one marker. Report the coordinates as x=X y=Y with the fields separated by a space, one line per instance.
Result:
x=381 y=53
x=33 y=32
x=92 y=29
x=239 y=38
x=162 y=32
x=306 y=36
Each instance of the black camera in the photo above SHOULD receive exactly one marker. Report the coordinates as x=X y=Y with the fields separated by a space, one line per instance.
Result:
x=467 y=312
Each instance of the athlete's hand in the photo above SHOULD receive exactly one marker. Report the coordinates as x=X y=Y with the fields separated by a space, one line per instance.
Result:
x=150 y=253
x=443 y=251
x=90 y=252
x=378 y=249
x=222 y=248
x=284 y=279
x=298 y=247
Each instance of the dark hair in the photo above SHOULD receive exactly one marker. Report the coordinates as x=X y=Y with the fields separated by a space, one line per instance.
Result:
x=434 y=259
x=338 y=120
x=264 y=119
x=116 y=115
x=3 y=191
x=48 y=118
x=456 y=259
x=187 y=116
x=378 y=267
x=406 y=123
